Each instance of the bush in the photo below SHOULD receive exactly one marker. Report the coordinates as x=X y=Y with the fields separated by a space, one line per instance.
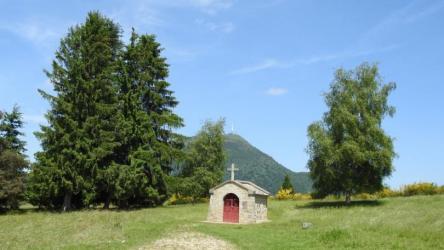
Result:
x=387 y=192
x=365 y=196
x=286 y=194
x=301 y=197
x=424 y=188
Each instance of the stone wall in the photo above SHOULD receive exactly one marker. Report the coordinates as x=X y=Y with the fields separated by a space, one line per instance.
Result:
x=252 y=208
x=261 y=208
x=216 y=206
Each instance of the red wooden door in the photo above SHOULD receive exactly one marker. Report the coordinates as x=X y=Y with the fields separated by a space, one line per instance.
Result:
x=231 y=208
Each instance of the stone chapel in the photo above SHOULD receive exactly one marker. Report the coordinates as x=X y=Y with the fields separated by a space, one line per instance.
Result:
x=236 y=201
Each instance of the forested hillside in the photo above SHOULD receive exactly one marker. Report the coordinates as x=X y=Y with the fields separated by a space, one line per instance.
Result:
x=256 y=166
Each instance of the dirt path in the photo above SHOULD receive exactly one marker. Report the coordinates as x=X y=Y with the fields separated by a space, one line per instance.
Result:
x=189 y=240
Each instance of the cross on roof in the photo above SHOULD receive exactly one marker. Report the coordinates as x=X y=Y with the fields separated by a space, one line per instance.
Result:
x=232 y=169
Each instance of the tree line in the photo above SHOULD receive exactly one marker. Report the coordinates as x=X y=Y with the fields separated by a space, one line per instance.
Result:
x=111 y=134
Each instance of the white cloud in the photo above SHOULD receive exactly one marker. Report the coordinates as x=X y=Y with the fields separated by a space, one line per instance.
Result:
x=225 y=27
x=408 y=14
x=211 y=6
x=267 y=64
x=151 y=14
x=33 y=31
x=345 y=54
x=140 y=15
x=278 y=64
x=427 y=11
x=276 y=91
x=207 y=6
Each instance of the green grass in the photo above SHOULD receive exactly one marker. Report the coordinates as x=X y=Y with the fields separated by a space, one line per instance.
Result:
x=396 y=223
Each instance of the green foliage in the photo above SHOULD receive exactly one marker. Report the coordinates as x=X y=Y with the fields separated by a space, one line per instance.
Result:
x=187 y=189
x=206 y=150
x=204 y=162
x=148 y=145
x=80 y=140
x=260 y=168
x=192 y=187
x=12 y=160
x=109 y=137
x=349 y=151
x=10 y=125
x=200 y=167
x=287 y=184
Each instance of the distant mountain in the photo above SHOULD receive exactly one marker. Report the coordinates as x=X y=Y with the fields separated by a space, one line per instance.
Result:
x=260 y=168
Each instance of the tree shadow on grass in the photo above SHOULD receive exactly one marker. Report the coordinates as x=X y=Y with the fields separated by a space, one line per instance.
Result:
x=33 y=209
x=60 y=211
x=18 y=211
x=339 y=204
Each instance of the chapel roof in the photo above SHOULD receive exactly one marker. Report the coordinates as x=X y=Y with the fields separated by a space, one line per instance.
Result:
x=247 y=185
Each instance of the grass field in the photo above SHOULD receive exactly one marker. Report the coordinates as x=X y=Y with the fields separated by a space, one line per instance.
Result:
x=396 y=223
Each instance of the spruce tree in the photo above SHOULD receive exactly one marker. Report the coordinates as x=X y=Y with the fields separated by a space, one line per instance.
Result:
x=149 y=144
x=13 y=162
x=111 y=134
x=11 y=123
x=287 y=183
x=79 y=142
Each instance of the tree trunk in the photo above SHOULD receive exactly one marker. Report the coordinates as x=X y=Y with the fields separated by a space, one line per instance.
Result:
x=107 y=201
x=67 y=201
x=347 y=198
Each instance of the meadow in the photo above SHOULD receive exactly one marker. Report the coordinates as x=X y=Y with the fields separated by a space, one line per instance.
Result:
x=415 y=222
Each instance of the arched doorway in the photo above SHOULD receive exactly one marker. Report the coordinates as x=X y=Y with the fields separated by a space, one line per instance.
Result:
x=231 y=208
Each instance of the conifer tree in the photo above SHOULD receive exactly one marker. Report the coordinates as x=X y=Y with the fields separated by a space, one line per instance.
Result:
x=149 y=144
x=11 y=123
x=111 y=135
x=12 y=159
x=79 y=142
x=287 y=183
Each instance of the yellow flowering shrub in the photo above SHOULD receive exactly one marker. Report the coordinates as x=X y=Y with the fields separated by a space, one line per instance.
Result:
x=424 y=188
x=387 y=192
x=286 y=194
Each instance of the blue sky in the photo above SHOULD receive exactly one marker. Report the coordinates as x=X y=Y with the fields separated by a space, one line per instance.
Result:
x=263 y=65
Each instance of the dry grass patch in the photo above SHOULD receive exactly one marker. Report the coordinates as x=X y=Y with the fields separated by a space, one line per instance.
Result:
x=189 y=240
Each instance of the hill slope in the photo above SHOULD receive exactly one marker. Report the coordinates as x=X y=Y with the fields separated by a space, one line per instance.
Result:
x=260 y=168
